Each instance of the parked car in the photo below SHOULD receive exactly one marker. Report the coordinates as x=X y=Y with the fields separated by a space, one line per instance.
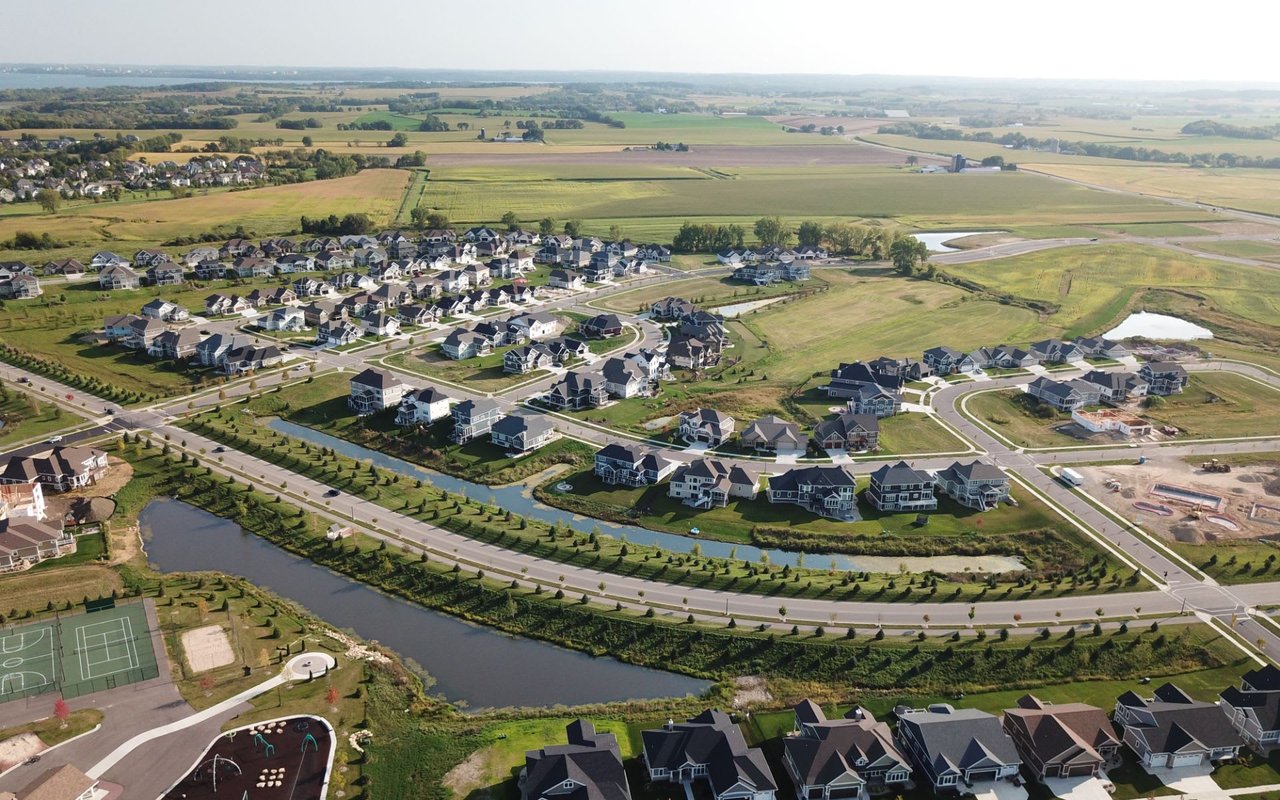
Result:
x=332 y=493
x=54 y=439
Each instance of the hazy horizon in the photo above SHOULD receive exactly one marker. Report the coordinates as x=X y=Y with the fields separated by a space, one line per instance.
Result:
x=1086 y=41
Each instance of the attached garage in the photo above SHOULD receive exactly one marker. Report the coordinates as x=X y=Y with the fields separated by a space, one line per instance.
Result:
x=1185 y=759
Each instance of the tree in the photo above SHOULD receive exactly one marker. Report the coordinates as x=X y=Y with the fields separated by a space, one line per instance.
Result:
x=399 y=140
x=546 y=226
x=331 y=697
x=615 y=232
x=912 y=161
x=61 y=711
x=993 y=161
x=510 y=220
x=49 y=200
x=772 y=230
x=306 y=141
x=573 y=228
x=810 y=234
x=907 y=253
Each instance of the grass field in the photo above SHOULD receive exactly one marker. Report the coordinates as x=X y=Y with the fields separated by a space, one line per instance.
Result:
x=57 y=326
x=706 y=291
x=1093 y=286
x=1263 y=251
x=27 y=417
x=25 y=592
x=266 y=211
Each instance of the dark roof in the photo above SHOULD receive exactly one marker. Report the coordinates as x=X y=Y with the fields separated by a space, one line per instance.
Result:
x=959 y=738
x=833 y=476
x=515 y=424
x=1265 y=679
x=899 y=474
x=1181 y=723
x=592 y=761
x=377 y=378
x=826 y=750
x=977 y=471
x=1263 y=707
x=1064 y=732
x=710 y=738
x=475 y=408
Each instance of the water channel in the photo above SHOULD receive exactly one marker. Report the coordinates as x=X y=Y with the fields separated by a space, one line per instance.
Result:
x=486 y=668
x=519 y=499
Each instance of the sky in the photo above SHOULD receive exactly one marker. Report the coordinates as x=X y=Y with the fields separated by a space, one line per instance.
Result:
x=1082 y=39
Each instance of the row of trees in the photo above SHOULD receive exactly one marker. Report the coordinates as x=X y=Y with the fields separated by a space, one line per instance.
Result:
x=908 y=254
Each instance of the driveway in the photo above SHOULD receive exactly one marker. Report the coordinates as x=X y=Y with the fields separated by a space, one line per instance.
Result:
x=1085 y=788
x=999 y=790
x=1195 y=782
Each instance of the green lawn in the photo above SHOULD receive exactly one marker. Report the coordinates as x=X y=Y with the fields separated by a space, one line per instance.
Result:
x=912 y=433
x=1220 y=404
x=26 y=417
x=1010 y=413
x=1264 y=251
x=705 y=291
x=481 y=374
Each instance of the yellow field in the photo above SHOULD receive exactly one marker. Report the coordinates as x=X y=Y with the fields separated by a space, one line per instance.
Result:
x=1248 y=189
x=269 y=210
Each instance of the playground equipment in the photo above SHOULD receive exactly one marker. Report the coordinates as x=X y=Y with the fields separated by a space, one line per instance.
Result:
x=267 y=747
x=215 y=766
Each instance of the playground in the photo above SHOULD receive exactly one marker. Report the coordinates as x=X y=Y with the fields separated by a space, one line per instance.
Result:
x=282 y=759
x=77 y=654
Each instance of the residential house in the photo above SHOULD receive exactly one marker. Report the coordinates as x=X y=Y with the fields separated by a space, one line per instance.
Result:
x=1056 y=351
x=576 y=390
x=118 y=327
x=650 y=363
x=27 y=540
x=318 y=312
x=166 y=274
x=711 y=483
x=248 y=267
x=901 y=488
x=521 y=433
x=706 y=425
x=295 y=262
x=1163 y=377
x=908 y=369
x=1099 y=347
x=624 y=378
x=670 y=309
x=729 y=258
x=599 y=267
x=21 y=287
x=150 y=258
x=210 y=270
x=478 y=275
x=66 y=267
x=565 y=348
x=530 y=358
x=103 y=259
x=214 y=349
x=281 y=295
x=425 y=288
x=277 y=246
x=374 y=390
x=423 y=407
x=498 y=333
x=462 y=344
x=826 y=491
x=338 y=332
x=334 y=261
x=369 y=257
x=1064 y=740
x=589 y=767
x=625 y=465
x=1116 y=387
x=416 y=315
x=1065 y=395
x=179 y=344
x=565 y=279
x=974 y=485
x=850 y=431
x=247 y=359
x=1004 y=356
x=945 y=360
x=118 y=277
x=311 y=287
x=1254 y=713
x=1171 y=730
x=143 y=332
x=536 y=324
x=235 y=247
x=960 y=750
x=165 y=311
x=218 y=304
x=708 y=748
x=380 y=325
x=852 y=758
x=474 y=418
x=60 y=468
x=653 y=252
x=773 y=434
x=865 y=390
x=453 y=306
x=692 y=353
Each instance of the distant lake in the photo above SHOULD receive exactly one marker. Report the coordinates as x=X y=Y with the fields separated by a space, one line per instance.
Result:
x=936 y=242
x=1157 y=326
x=71 y=80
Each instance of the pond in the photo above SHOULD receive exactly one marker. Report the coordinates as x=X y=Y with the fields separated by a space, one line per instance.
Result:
x=936 y=242
x=486 y=668
x=519 y=499
x=1157 y=326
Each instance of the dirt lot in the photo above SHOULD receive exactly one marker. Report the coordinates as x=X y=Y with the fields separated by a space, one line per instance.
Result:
x=799 y=155
x=1237 y=517
x=207 y=648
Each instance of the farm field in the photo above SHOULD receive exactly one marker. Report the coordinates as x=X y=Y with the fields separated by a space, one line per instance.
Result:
x=1245 y=189
x=265 y=211
x=651 y=204
x=1094 y=286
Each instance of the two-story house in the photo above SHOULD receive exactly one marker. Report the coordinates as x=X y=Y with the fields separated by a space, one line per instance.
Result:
x=423 y=407
x=474 y=418
x=974 y=485
x=828 y=491
x=958 y=750
x=374 y=390
x=706 y=426
x=711 y=749
x=899 y=487
x=1171 y=729
x=711 y=483
x=628 y=465
x=852 y=758
x=1061 y=740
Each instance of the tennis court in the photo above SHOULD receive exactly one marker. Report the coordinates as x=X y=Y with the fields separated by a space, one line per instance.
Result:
x=77 y=654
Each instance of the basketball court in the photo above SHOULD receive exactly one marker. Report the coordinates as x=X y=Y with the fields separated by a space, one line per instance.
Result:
x=77 y=654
